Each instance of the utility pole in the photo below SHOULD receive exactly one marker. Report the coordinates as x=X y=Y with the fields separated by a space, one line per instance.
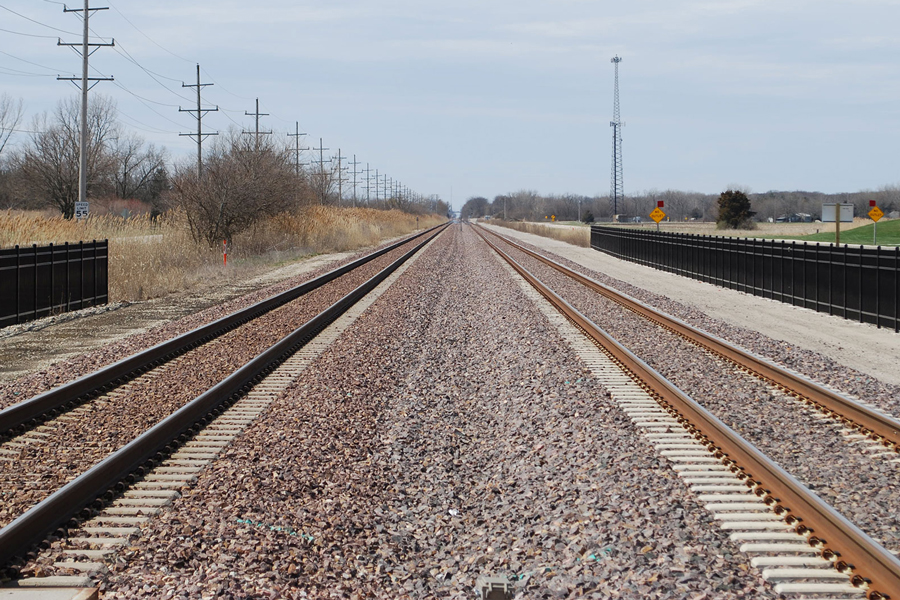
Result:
x=323 y=181
x=389 y=186
x=368 y=181
x=256 y=132
x=200 y=113
x=617 y=188
x=340 y=172
x=355 y=173
x=297 y=135
x=377 y=183
x=85 y=86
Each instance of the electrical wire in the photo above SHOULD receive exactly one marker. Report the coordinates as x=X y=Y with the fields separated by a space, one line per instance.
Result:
x=146 y=127
x=18 y=73
x=32 y=63
x=151 y=75
x=39 y=23
x=154 y=42
x=34 y=35
x=222 y=88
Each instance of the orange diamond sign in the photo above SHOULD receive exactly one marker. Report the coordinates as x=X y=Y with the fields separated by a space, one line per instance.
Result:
x=875 y=213
x=657 y=215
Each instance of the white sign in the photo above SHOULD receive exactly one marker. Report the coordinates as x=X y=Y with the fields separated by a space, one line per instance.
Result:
x=81 y=210
x=829 y=211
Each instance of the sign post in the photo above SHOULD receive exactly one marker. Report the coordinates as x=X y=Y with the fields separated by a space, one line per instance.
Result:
x=837 y=214
x=875 y=213
x=658 y=214
x=81 y=210
x=225 y=252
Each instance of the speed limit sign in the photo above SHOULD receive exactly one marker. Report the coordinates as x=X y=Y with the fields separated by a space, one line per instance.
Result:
x=81 y=210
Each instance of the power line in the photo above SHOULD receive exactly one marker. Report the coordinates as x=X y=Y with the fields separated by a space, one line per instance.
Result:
x=213 y=79
x=18 y=73
x=154 y=42
x=38 y=22
x=31 y=63
x=34 y=35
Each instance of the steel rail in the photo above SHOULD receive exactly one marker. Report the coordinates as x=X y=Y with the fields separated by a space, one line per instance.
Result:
x=42 y=405
x=35 y=524
x=872 y=567
x=879 y=426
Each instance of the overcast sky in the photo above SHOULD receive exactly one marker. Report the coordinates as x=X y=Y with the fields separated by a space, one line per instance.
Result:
x=492 y=96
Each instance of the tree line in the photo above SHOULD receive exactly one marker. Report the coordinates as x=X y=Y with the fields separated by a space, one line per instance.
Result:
x=243 y=178
x=526 y=205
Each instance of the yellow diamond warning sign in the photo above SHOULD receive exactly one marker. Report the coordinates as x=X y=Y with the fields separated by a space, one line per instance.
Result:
x=875 y=213
x=657 y=215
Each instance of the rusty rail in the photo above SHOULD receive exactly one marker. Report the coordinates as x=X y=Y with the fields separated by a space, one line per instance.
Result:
x=879 y=426
x=872 y=567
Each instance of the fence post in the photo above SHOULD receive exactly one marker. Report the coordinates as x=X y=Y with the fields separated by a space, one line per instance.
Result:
x=18 y=282
x=94 y=302
x=878 y=286
x=81 y=266
x=68 y=286
x=34 y=288
x=860 y=284
x=52 y=280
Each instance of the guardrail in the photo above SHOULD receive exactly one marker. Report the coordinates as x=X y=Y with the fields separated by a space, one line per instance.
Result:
x=38 y=281
x=854 y=282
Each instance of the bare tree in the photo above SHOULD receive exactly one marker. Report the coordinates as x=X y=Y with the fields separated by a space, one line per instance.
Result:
x=48 y=165
x=242 y=182
x=11 y=112
x=323 y=182
x=140 y=170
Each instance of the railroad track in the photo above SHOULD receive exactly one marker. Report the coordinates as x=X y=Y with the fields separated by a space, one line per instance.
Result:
x=801 y=543
x=115 y=484
x=868 y=421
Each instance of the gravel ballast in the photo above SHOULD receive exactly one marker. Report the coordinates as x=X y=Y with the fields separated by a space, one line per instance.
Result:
x=843 y=473
x=449 y=433
x=75 y=443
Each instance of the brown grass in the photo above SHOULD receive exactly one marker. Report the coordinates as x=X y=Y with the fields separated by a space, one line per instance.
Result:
x=577 y=236
x=154 y=258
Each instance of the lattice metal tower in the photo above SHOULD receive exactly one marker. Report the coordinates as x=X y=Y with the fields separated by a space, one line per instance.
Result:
x=616 y=187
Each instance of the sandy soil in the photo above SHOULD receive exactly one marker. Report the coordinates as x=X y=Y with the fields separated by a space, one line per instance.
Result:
x=50 y=342
x=860 y=346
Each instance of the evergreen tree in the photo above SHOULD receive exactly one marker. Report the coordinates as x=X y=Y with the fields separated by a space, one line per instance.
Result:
x=734 y=210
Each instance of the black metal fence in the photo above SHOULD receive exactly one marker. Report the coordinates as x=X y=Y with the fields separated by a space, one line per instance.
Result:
x=38 y=281
x=854 y=282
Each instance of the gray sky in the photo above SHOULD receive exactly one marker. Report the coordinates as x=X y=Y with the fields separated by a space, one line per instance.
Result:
x=487 y=97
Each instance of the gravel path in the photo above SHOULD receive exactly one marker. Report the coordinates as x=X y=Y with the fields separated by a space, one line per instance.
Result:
x=450 y=433
x=864 y=489
x=107 y=424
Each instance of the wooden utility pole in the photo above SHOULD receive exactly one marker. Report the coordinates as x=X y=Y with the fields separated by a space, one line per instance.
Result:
x=200 y=112
x=297 y=149
x=355 y=173
x=256 y=132
x=85 y=85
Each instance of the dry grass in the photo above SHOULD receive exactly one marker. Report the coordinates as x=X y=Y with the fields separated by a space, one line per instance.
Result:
x=577 y=236
x=149 y=259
